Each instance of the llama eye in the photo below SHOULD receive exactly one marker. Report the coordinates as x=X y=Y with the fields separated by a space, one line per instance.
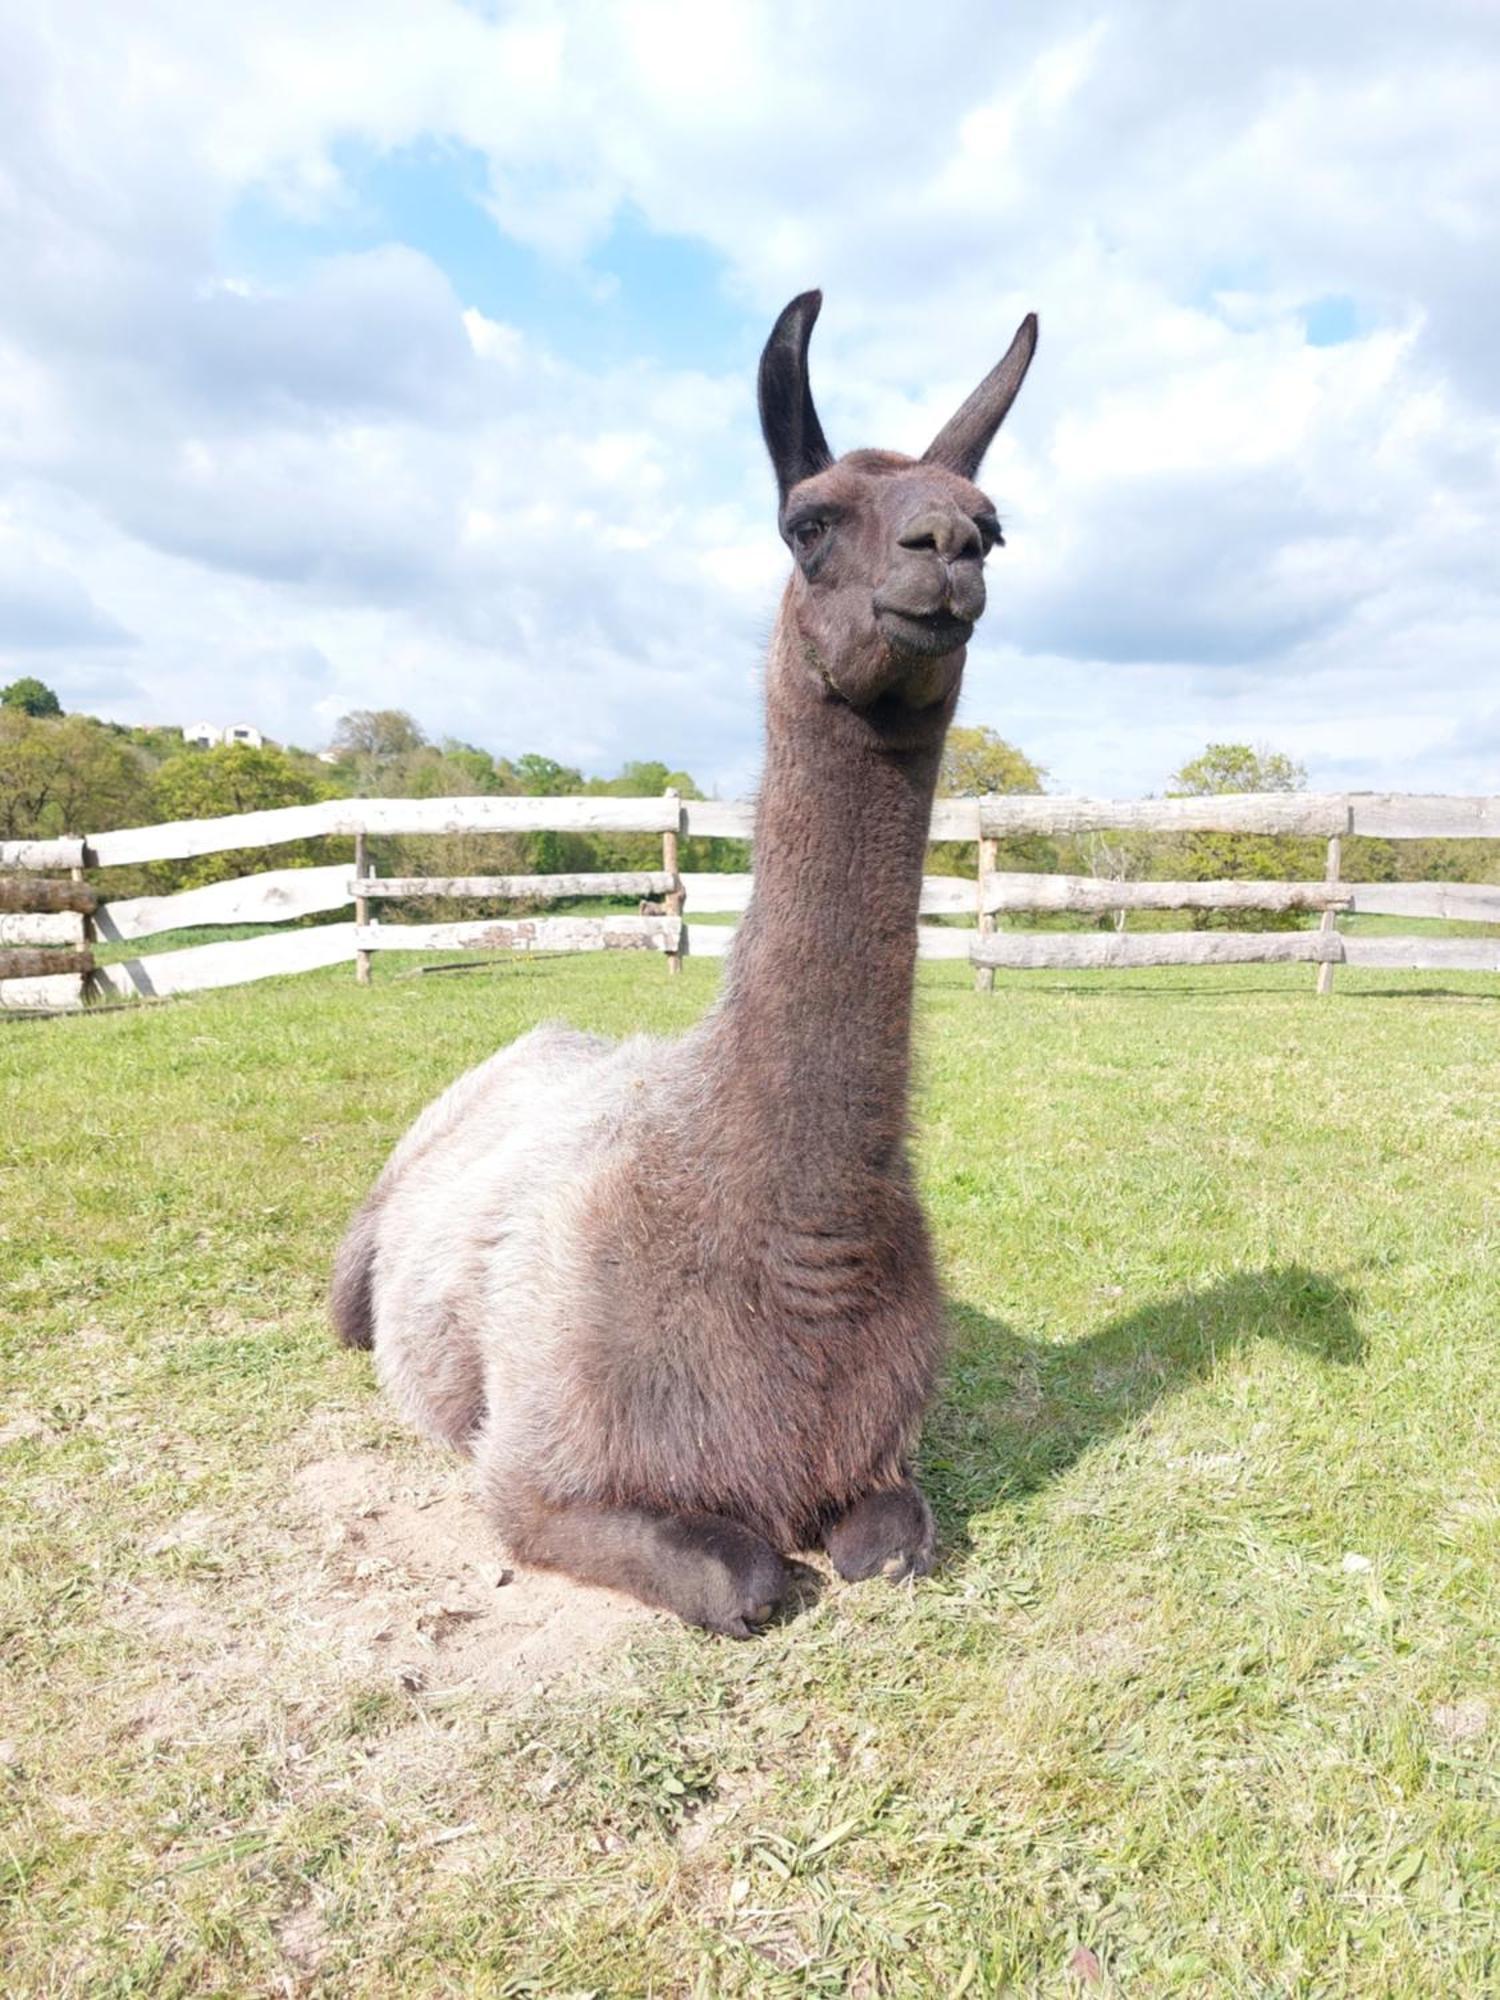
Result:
x=807 y=534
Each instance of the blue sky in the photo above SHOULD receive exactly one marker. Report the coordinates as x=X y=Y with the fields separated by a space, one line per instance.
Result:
x=637 y=292
x=404 y=354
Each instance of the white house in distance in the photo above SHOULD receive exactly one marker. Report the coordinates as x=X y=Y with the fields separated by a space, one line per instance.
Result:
x=206 y=735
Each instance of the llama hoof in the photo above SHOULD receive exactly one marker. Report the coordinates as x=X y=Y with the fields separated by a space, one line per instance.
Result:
x=888 y=1534
x=732 y=1582
x=738 y=1607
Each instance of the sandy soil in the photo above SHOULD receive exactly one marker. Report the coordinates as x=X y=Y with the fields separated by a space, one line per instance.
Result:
x=415 y=1581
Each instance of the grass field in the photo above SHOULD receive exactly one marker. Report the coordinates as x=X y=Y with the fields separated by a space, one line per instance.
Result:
x=1203 y=1700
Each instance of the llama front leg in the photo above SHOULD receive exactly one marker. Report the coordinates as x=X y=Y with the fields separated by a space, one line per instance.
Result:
x=708 y=1569
x=886 y=1533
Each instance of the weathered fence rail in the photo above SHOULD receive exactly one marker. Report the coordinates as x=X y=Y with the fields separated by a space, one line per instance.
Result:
x=49 y=926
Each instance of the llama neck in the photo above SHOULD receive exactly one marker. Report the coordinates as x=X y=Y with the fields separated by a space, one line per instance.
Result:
x=811 y=1043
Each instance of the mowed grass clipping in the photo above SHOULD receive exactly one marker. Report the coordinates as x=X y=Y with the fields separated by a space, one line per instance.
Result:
x=1203 y=1700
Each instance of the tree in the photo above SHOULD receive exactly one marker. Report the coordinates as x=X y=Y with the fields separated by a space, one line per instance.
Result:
x=979 y=762
x=1236 y=767
x=1114 y=857
x=376 y=734
x=31 y=697
x=477 y=765
x=1220 y=857
x=540 y=777
x=637 y=780
x=536 y=777
x=231 y=778
x=66 y=775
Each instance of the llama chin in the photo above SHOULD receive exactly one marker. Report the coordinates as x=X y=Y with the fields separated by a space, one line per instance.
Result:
x=680 y=1304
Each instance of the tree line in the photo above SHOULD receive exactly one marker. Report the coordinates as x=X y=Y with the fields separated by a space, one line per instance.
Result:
x=74 y=774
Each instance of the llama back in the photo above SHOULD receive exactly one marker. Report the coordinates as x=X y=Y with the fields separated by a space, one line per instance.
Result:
x=475 y=1113
x=471 y=1217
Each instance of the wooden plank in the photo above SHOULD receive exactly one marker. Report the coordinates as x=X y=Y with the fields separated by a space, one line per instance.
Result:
x=707 y=940
x=27 y=964
x=1320 y=813
x=236 y=963
x=1064 y=950
x=359 y=888
x=984 y=885
x=181 y=840
x=526 y=934
x=268 y=898
x=675 y=892
x=42 y=854
x=725 y=819
x=1329 y=922
x=58 y=928
x=34 y=894
x=717 y=892
x=719 y=819
x=954 y=895
x=955 y=819
x=1087 y=895
x=1424 y=954
x=1468 y=902
x=943 y=941
x=58 y=993
x=1387 y=815
x=1424 y=816
x=483 y=814
x=522 y=888
x=933 y=940
x=1316 y=814
x=185 y=839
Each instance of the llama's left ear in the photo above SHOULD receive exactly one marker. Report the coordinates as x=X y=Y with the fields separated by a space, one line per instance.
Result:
x=963 y=441
x=788 y=421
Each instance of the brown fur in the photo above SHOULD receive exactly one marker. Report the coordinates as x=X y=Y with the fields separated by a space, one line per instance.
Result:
x=684 y=1312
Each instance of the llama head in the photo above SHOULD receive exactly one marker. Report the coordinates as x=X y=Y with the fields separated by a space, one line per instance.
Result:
x=889 y=551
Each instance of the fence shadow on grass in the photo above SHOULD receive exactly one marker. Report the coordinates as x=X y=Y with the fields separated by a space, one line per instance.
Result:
x=1017 y=1412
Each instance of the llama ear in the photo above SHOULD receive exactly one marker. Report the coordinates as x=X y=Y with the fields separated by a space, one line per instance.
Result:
x=788 y=421
x=963 y=441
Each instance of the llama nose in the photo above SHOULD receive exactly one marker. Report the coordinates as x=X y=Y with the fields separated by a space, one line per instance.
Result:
x=943 y=530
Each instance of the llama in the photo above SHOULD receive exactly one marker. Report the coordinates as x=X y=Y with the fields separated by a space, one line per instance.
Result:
x=683 y=1314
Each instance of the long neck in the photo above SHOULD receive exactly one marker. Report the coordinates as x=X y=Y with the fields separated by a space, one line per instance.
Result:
x=810 y=1046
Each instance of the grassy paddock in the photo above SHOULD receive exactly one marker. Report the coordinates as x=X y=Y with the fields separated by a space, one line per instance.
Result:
x=1204 y=1699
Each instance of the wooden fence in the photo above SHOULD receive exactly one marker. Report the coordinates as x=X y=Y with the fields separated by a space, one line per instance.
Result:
x=51 y=918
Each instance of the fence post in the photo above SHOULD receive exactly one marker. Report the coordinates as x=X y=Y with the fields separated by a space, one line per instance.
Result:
x=676 y=896
x=90 y=935
x=361 y=904
x=984 y=975
x=1330 y=917
x=46 y=941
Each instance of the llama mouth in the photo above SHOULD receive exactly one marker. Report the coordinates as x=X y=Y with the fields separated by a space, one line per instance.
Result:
x=927 y=635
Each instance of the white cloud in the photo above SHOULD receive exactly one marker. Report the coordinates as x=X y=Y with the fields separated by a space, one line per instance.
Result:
x=358 y=485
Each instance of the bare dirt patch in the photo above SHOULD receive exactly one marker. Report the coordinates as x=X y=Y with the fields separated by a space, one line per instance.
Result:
x=414 y=1582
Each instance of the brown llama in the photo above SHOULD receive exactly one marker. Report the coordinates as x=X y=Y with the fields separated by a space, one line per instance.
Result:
x=683 y=1313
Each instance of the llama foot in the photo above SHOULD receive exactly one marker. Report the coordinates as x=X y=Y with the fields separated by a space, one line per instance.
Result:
x=722 y=1576
x=708 y=1569
x=888 y=1533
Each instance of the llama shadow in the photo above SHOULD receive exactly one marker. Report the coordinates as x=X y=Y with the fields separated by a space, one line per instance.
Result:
x=1017 y=1412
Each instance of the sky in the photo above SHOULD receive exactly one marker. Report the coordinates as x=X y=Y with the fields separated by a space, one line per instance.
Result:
x=403 y=353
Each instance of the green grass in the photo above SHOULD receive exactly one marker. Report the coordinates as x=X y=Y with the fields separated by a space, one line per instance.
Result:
x=1207 y=1686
